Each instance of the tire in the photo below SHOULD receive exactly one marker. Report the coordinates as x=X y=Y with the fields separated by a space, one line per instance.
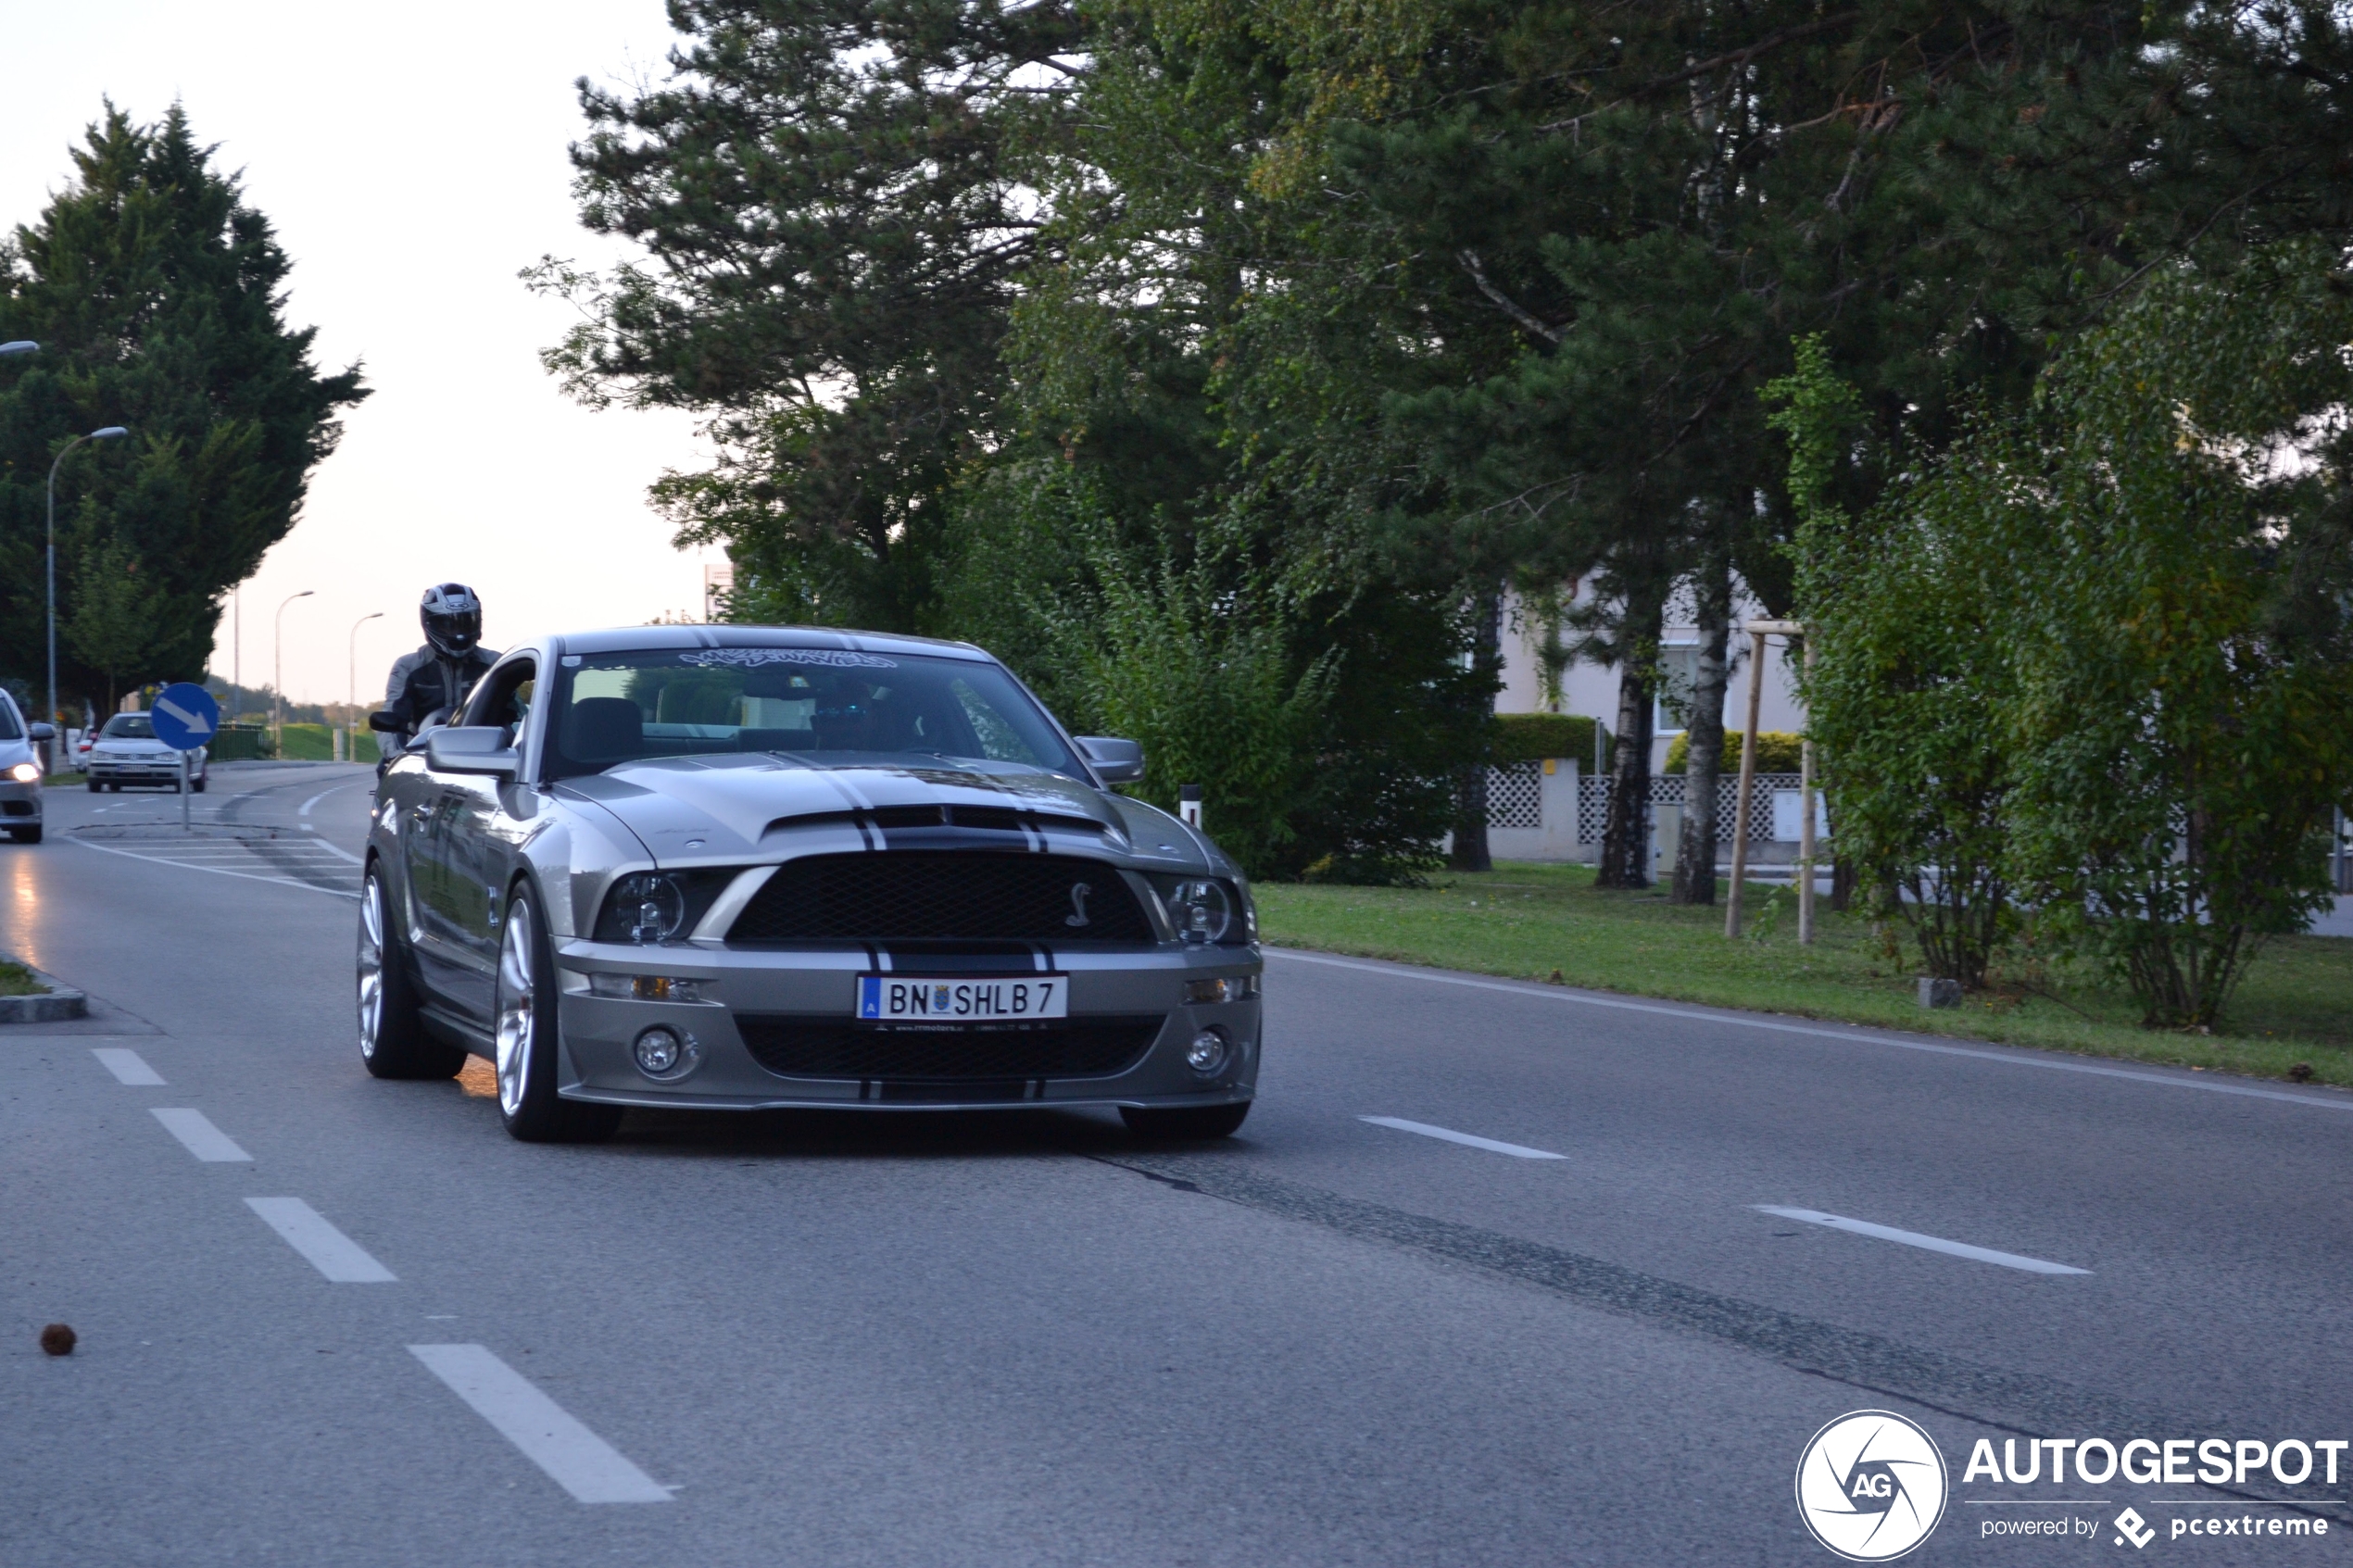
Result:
x=25 y=835
x=526 y=1022
x=198 y=785
x=1191 y=1124
x=95 y=786
x=393 y=1041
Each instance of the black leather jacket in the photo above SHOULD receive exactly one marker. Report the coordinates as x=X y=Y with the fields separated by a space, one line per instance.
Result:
x=425 y=684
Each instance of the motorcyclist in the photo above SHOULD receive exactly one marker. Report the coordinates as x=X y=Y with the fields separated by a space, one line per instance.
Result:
x=429 y=685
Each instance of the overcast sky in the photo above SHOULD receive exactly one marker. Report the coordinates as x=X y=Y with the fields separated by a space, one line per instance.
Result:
x=412 y=160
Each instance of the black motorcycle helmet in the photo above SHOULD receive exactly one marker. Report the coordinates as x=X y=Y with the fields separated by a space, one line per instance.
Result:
x=452 y=619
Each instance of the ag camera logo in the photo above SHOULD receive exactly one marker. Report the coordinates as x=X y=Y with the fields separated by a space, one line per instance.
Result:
x=1870 y=1486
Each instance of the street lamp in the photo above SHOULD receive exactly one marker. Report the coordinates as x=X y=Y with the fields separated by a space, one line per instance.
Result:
x=278 y=678
x=351 y=692
x=108 y=433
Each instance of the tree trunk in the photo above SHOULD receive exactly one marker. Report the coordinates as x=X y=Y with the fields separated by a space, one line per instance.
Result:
x=1470 y=853
x=1704 y=742
x=1626 y=841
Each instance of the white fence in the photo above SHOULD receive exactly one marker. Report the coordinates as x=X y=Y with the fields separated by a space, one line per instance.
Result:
x=1551 y=811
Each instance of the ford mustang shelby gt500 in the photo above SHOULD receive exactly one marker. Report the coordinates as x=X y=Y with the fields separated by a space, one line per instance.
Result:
x=732 y=867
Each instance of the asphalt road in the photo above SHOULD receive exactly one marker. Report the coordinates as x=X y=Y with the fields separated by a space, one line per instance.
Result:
x=1030 y=1340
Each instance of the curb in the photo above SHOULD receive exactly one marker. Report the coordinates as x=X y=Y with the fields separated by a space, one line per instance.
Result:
x=60 y=1002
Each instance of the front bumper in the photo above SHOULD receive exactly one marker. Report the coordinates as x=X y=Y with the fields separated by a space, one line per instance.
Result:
x=114 y=770
x=816 y=986
x=20 y=804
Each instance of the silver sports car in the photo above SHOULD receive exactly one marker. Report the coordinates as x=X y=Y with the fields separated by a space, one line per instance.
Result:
x=735 y=868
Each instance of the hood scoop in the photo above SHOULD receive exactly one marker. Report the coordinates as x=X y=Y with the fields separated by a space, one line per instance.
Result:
x=925 y=825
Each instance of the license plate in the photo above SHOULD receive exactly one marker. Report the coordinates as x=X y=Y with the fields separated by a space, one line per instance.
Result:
x=895 y=998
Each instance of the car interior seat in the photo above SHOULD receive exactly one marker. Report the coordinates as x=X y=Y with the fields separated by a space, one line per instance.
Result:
x=604 y=729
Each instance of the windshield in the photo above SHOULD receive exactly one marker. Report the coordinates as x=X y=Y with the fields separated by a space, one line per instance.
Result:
x=825 y=703
x=129 y=726
x=8 y=728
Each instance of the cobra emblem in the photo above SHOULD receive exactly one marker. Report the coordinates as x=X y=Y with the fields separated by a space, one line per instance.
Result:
x=1079 y=893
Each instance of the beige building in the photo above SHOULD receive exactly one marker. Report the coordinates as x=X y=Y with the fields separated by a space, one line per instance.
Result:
x=1553 y=810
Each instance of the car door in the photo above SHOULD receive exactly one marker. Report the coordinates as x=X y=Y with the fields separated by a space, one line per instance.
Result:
x=423 y=804
x=481 y=835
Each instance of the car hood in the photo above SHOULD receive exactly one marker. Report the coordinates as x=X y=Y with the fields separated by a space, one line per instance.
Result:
x=690 y=811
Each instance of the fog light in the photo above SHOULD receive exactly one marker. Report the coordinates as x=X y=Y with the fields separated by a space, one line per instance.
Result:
x=1206 y=1056
x=663 y=1052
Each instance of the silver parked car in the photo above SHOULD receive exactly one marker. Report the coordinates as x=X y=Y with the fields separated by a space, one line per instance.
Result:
x=21 y=772
x=127 y=752
x=732 y=867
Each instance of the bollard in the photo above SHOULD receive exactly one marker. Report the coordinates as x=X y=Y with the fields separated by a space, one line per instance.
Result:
x=1940 y=993
x=1189 y=804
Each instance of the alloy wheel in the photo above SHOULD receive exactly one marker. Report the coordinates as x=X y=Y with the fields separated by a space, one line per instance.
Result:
x=518 y=1011
x=371 y=965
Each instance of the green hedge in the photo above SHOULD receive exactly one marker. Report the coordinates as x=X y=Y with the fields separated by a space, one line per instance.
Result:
x=316 y=743
x=1524 y=737
x=1777 y=751
x=237 y=743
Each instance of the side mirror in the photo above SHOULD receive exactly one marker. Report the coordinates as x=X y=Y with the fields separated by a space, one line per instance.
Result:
x=41 y=731
x=1115 y=760
x=479 y=748
x=385 y=721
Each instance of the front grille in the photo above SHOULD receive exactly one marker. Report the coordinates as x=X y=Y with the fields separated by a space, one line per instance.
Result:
x=798 y=1046
x=915 y=897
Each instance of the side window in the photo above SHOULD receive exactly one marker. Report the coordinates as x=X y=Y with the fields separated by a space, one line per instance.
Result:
x=504 y=698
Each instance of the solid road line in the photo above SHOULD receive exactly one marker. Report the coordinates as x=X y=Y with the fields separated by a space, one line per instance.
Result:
x=1469 y=1140
x=217 y=870
x=2019 y=1056
x=203 y=1139
x=351 y=783
x=574 y=1457
x=128 y=1066
x=333 y=1254
x=1914 y=1239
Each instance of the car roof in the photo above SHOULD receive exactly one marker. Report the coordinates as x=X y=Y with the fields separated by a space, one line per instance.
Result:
x=630 y=639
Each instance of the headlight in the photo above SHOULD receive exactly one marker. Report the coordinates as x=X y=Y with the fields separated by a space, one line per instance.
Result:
x=1203 y=909
x=25 y=772
x=658 y=906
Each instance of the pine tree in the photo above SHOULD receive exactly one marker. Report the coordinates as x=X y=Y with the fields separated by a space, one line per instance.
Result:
x=835 y=216
x=157 y=295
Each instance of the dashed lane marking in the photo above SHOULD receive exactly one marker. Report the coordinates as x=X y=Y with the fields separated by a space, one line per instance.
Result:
x=1927 y=1243
x=203 y=1139
x=1468 y=1140
x=333 y=1254
x=574 y=1458
x=128 y=1066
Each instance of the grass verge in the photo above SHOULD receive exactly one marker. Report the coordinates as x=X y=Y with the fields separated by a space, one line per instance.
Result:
x=17 y=981
x=1549 y=922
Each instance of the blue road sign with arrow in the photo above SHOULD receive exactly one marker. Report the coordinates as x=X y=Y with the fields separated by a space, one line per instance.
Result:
x=186 y=716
